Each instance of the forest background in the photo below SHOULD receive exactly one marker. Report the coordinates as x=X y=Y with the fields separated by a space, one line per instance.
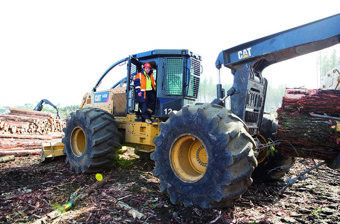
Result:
x=207 y=92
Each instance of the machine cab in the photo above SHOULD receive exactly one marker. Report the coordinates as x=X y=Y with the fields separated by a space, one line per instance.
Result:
x=177 y=77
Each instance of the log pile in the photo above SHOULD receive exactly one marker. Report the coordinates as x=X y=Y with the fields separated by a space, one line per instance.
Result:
x=309 y=123
x=24 y=132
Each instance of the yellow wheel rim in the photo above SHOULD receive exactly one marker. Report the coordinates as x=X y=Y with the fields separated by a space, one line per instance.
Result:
x=189 y=159
x=78 y=141
x=262 y=154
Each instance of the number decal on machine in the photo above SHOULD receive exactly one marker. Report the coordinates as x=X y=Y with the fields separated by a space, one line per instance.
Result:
x=167 y=110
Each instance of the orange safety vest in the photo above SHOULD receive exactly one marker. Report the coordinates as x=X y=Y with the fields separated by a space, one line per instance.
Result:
x=141 y=77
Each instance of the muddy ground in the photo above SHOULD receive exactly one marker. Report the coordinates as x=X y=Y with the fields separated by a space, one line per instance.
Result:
x=31 y=192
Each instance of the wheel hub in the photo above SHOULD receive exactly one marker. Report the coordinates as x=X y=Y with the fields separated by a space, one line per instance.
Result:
x=189 y=158
x=261 y=152
x=78 y=141
x=201 y=155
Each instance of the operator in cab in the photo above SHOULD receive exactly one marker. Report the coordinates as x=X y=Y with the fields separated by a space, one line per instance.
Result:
x=145 y=92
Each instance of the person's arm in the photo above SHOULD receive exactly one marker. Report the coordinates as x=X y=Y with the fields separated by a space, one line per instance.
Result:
x=137 y=85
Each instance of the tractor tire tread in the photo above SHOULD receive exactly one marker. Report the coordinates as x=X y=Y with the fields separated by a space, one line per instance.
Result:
x=102 y=140
x=222 y=182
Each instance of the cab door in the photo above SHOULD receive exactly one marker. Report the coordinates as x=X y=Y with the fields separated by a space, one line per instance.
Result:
x=133 y=67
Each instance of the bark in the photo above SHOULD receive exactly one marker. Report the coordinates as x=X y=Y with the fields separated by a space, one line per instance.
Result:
x=33 y=136
x=22 y=130
x=19 y=143
x=17 y=118
x=30 y=113
x=308 y=123
x=305 y=101
x=22 y=152
x=6 y=159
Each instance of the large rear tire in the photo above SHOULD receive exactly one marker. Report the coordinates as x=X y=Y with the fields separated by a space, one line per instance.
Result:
x=91 y=140
x=204 y=156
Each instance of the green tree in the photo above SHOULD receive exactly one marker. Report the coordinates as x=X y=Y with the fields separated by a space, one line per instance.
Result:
x=63 y=111
x=207 y=90
x=274 y=98
x=326 y=62
x=4 y=110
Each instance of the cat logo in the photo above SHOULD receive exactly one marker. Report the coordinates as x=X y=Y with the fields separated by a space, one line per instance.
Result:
x=244 y=53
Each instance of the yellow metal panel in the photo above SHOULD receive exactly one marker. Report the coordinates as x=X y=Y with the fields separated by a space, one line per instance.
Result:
x=119 y=104
x=53 y=150
x=139 y=133
x=116 y=100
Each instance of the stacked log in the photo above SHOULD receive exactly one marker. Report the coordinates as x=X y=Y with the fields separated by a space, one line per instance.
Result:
x=24 y=132
x=309 y=123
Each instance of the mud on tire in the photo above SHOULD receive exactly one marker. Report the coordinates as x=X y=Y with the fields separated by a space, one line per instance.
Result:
x=91 y=140
x=204 y=156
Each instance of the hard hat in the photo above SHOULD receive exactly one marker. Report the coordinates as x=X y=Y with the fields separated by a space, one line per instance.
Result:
x=147 y=65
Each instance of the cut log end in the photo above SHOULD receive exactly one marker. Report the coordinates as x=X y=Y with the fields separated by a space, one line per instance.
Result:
x=23 y=131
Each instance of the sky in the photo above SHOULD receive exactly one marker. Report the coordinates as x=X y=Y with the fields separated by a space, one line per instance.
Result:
x=57 y=50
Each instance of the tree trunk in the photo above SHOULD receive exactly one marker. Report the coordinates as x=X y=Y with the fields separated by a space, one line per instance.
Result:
x=22 y=152
x=30 y=113
x=5 y=159
x=308 y=123
x=22 y=130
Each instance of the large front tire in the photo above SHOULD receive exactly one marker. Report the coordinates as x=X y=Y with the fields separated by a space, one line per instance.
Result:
x=91 y=140
x=204 y=156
